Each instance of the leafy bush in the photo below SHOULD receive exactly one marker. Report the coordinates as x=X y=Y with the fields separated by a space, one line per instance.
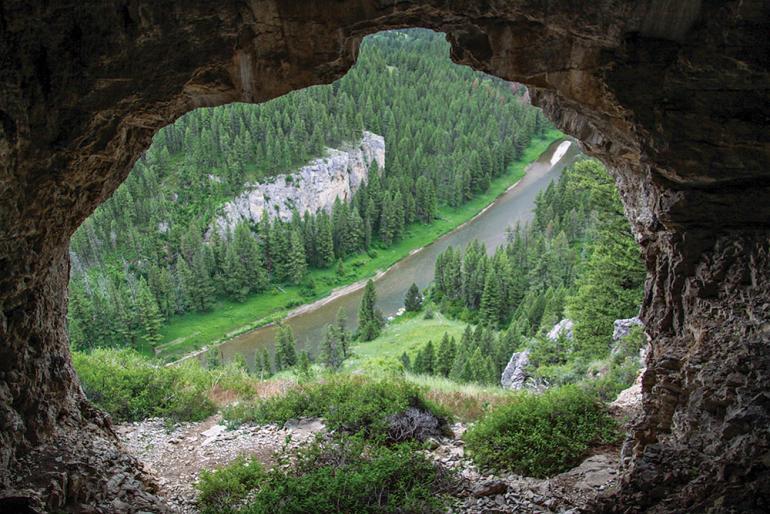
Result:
x=341 y=475
x=622 y=366
x=221 y=490
x=545 y=352
x=541 y=435
x=131 y=387
x=560 y=374
x=348 y=404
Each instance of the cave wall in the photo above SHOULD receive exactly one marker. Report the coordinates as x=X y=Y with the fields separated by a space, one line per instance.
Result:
x=672 y=95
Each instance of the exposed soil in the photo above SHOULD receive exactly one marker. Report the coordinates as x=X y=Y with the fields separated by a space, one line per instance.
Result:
x=176 y=455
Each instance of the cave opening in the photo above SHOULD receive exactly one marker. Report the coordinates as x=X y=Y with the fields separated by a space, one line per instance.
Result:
x=198 y=194
x=679 y=117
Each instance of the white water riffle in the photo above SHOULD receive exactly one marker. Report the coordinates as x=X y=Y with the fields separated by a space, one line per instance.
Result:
x=560 y=151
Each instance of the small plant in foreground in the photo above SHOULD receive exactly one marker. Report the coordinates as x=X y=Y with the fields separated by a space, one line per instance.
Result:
x=344 y=474
x=541 y=435
x=222 y=489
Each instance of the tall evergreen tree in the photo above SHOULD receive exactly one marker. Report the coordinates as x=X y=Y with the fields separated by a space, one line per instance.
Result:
x=424 y=362
x=285 y=347
x=149 y=314
x=368 y=322
x=445 y=356
x=413 y=300
x=297 y=264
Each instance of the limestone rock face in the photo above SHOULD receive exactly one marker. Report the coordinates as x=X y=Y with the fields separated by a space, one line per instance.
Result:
x=515 y=372
x=622 y=327
x=315 y=186
x=673 y=96
x=564 y=328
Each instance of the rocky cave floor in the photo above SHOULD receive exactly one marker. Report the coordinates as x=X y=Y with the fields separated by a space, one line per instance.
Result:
x=175 y=456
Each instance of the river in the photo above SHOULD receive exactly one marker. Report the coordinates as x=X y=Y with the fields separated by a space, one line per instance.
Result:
x=515 y=205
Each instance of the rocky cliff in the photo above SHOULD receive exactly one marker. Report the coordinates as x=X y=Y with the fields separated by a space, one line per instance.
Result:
x=673 y=96
x=314 y=186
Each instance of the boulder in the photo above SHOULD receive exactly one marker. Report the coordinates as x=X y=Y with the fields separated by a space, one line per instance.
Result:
x=515 y=373
x=489 y=488
x=565 y=328
x=622 y=327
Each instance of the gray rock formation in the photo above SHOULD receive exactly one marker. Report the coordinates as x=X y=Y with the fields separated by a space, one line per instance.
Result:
x=315 y=186
x=622 y=327
x=565 y=328
x=515 y=373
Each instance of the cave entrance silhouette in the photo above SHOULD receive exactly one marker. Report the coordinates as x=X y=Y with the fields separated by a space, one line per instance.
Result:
x=672 y=96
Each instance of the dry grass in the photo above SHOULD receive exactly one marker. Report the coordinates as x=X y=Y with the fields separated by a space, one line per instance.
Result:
x=223 y=396
x=466 y=406
x=468 y=402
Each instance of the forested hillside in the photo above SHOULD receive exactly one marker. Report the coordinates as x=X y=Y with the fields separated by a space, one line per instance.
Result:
x=141 y=259
x=577 y=259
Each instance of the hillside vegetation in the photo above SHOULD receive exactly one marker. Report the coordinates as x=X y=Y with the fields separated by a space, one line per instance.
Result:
x=140 y=261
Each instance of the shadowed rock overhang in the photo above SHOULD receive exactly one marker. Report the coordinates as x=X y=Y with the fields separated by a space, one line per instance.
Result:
x=672 y=95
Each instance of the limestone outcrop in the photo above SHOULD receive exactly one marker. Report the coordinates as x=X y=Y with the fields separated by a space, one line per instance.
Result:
x=673 y=96
x=515 y=373
x=315 y=186
x=622 y=327
x=565 y=328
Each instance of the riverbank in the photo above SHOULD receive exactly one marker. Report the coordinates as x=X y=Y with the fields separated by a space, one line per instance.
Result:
x=188 y=333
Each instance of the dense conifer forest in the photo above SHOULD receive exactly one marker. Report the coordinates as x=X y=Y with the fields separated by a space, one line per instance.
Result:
x=577 y=259
x=144 y=257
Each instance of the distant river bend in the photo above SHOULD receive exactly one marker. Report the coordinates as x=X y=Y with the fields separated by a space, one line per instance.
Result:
x=514 y=206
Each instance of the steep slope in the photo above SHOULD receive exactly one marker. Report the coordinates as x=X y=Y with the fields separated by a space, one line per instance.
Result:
x=313 y=187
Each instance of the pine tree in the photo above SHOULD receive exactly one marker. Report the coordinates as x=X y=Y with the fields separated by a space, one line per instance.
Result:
x=425 y=202
x=331 y=350
x=149 y=314
x=413 y=300
x=325 y=241
x=265 y=369
x=297 y=266
x=446 y=355
x=342 y=332
x=254 y=273
x=304 y=366
x=491 y=301
x=406 y=361
x=184 y=279
x=424 y=363
x=285 y=347
x=200 y=288
x=368 y=322
x=234 y=276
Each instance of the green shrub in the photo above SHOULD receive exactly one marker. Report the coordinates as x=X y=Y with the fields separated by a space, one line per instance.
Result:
x=545 y=352
x=622 y=366
x=560 y=374
x=221 y=490
x=541 y=435
x=341 y=475
x=130 y=387
x=620 y=376
x=347 y=403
